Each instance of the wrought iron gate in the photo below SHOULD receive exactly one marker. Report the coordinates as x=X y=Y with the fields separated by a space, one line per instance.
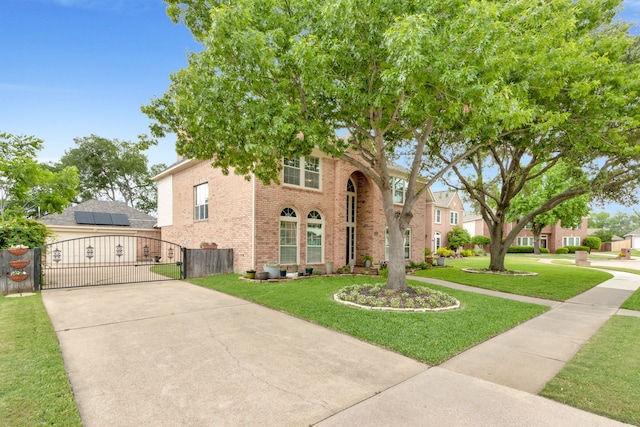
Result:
x=109 y=260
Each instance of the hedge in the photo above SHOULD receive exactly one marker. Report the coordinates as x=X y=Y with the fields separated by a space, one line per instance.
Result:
x=562 y=251
x=525 y=250
x=573 y=249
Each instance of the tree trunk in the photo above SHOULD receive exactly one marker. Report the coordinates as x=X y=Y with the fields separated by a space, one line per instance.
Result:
x=397 y=275
x=496 y=248
x=537 y=231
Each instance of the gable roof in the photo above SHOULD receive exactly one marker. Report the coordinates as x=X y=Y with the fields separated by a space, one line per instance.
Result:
x=633 y=233
x=444 y=198
x=137 y=219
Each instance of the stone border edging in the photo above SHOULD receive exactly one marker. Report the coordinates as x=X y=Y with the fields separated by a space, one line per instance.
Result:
x=498 y=273
x=423 y=310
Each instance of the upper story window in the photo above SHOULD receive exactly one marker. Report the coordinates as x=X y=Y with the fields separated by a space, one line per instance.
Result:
x=201 y=198
x=399 y=189
x=438 y=216
x=302 y=171
x=454 y=218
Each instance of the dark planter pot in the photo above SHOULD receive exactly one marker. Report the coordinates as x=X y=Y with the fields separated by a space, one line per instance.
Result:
x=251 y=274
x=263 y=275
x=308 y=271
x=283 y=273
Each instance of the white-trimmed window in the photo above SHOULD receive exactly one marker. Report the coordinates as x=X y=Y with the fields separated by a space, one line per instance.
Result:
x=201 y=201
x=315 y=237
x=525 y=241
x=399 y=189
x=571 y=241
x=407 y=244
x=302 y=171
x=453 y=218
x=288 y=236
x=437 y=216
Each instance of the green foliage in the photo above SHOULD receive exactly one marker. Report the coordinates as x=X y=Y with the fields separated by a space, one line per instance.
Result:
x=520 y=250
x=114 y=170
x=592 y=242
x=23 y=231
x=458 y=237
x=573 y=249
x=479 y=252
x=28 y=188
x=562 y=251
x=427 y=252
x=444 y=252
x=480 y=240
x=467 y=252
x=603 y=234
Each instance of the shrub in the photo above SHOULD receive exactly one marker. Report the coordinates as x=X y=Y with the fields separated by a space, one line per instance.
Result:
x=520 y=250
x=544 y=251
x=592 y=242
x=479 y=252
x=23 y=231
x=480 y=240
x=573 y=249
x=562 y=251
x=458 y=237
x=445 y=252
x=466 y=253
x=427 y=252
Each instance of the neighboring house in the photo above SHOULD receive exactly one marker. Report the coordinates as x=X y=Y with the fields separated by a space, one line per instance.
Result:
x=443 y=213
x=324 y=210
x=551 y=237
x=634 y=236
x=100 y=218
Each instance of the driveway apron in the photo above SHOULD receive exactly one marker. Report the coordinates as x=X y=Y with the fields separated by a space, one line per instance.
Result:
x=175 y=354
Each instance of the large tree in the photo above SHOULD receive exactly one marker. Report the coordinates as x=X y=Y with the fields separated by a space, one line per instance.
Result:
x=28 y=188
x=116 y=170
x=544 y=187
x=408 y=79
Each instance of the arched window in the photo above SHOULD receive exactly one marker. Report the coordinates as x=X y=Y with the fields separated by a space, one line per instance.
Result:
x=315 y=237
x=288 y=236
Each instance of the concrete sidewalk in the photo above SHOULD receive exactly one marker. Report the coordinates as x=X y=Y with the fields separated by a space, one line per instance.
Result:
x=175 y=354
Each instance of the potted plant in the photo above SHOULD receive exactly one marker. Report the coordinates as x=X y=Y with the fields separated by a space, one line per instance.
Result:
x=251 y=274
x=19 y=264
x=283 y=271
x=367 y=260
x=18 y=275
x=272 y=269
x=262 y=275
x=18 y=250
x=428 y=258
x=308 y=271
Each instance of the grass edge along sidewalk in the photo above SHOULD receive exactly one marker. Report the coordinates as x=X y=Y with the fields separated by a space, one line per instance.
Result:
x=34 y=386
x=604 y=376
x=428 y=337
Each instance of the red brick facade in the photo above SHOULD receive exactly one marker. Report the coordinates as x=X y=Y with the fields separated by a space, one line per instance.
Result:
x=245 y=214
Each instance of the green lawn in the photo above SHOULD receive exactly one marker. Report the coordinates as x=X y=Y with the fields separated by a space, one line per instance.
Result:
x=429 y=337
x=633 y=302
x=604 y=376
x=553 y=282
x=34 y=388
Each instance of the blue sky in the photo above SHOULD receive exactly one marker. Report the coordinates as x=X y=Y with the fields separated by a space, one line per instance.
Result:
x=72 y=68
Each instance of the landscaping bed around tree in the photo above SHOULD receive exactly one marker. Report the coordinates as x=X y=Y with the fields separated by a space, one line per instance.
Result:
x=431 y=337
x=551 y=282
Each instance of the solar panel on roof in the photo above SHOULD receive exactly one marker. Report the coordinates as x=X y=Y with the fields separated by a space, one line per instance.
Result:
x=102 y=218
x=119 y=219
x=84 y=217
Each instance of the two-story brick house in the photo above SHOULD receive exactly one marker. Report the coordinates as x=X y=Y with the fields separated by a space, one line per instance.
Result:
x=552 y=237
x=323 y=210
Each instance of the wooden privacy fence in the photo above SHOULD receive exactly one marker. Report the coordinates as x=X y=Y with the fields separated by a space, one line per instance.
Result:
x=206 y=262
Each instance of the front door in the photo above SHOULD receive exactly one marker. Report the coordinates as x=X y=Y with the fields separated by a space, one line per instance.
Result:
x=351 y=223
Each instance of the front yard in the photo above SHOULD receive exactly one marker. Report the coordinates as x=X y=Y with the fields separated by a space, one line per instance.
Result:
x=34 y=388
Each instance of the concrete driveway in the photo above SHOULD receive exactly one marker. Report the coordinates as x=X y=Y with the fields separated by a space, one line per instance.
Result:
x=175 y=354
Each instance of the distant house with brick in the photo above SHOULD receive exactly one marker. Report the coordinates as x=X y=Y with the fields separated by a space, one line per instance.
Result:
x=551 y=237
x=324 y=210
